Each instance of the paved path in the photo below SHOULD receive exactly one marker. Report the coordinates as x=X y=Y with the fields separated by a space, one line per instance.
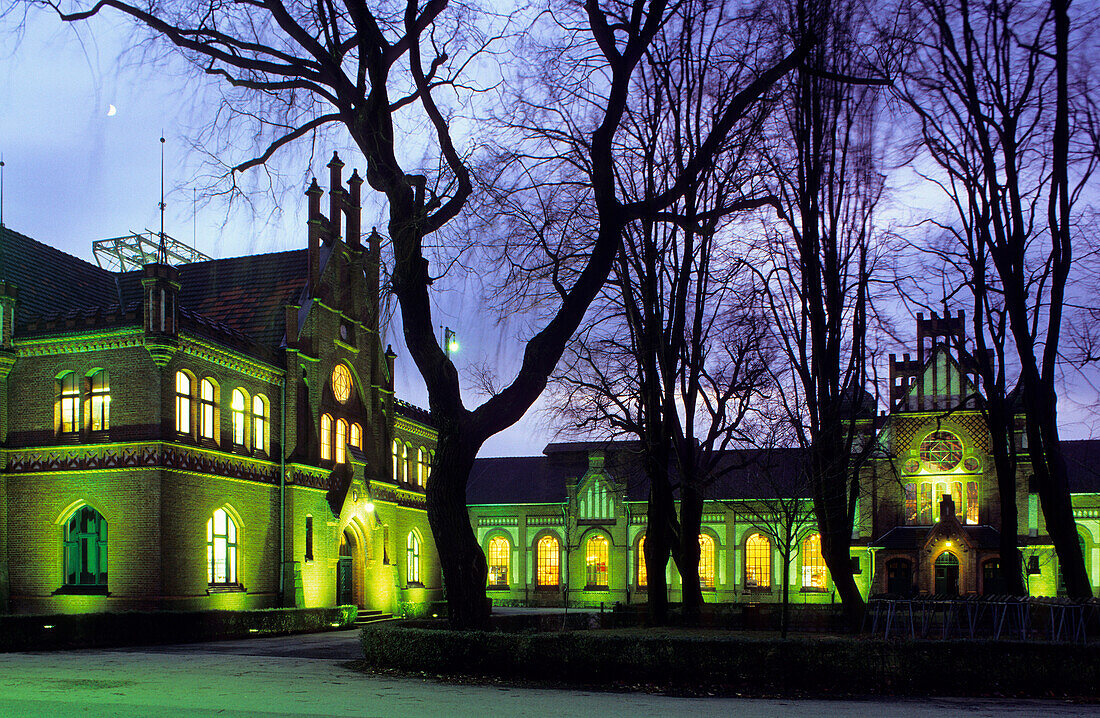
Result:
x=306 y=676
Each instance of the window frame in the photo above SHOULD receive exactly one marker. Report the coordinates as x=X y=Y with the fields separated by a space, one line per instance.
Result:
x=261 y=424
x=68 y=403
x=497 y=562
x=183 y=403
x=340 y=435
x=412 y=560
x=594 y=567
x=549 y=565
x=813 y=563
x=641 y=568
x=231 y=546
x=79 y=547
x=327 y=430
x=708 y=578
x=239 y=417
x=754 y=553
x=99 y=401
x=208 y=410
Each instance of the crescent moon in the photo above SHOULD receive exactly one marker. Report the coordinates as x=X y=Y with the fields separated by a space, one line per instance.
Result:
x=111 y=110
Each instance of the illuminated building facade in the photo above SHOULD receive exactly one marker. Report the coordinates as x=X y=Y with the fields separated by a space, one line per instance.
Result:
x=216 y=434
x=569 y=527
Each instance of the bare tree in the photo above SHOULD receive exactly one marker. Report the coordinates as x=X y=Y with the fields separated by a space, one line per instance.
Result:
x=1013 y=136
x=818 y=268
x=359 y=66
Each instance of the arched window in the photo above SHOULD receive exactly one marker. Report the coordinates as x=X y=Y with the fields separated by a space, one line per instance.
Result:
x=911 y=503
x=499 y=553
x=260 y=422
x=221 y=548
x=208 y=409
x=813 y=564
x=68 y=404
x=85 y=548
x=643 y=573
x=326 y=437
x=356 y=436
x=99 y=394
x=341 y=441
x=595 y=561
x=548 y=570
x=396 y=461
x=971 y=502
x=706 y=561
x=408 y=463
x=758 y=562
x=412 y=555
x=947 y=574
x=237 y=406
x=428 y=473
x=183 y=403
x=422 y=467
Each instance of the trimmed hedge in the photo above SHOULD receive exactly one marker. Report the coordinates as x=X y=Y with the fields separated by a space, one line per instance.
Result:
x=136 y=628
x=826 y=665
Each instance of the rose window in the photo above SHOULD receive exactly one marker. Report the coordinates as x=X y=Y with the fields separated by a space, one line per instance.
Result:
x=941 y=451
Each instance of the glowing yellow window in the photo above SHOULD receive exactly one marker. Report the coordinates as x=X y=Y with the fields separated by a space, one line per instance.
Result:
x=341 y=441
x=548 y=573
x=706 y=561
x=259 y=422
x=237 y=406
x=68 y=404
x=356 y=436
x=100 y=397
x=326 y=437
x=207 y=409
x=595 y=561
x=396 y=462
x=813 y=564
x=412 y=557
x=499 y=553
x=758 y=562
x=643 y=574
x=183 y=403
x=221 y=548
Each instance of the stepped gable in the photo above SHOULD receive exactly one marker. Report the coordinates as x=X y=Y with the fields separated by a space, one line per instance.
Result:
x=52 y=282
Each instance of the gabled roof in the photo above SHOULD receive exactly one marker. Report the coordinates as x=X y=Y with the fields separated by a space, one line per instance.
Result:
x=238 y=296
x=738 y=474
x=50 y=281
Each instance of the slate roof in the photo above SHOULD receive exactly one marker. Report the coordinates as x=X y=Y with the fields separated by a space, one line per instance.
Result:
x=741 y=474
x=913 y=537
x=238 y=297
x=50 y=281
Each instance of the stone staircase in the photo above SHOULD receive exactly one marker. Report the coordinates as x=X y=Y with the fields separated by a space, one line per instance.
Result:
x=368 y=617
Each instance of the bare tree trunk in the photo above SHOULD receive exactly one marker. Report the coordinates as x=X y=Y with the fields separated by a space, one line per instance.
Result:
x=460 y=556
x=691 y=518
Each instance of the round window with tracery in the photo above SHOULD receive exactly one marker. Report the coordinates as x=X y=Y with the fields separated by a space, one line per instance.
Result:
x=941 y=451
x=341 y=383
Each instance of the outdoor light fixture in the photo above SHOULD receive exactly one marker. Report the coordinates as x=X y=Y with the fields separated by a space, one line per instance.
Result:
x=948 y=544
x=450 y=341
x=369 y=506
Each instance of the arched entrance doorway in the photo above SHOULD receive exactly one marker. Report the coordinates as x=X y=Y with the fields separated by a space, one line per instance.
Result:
x=344 y=571
x=947 y=574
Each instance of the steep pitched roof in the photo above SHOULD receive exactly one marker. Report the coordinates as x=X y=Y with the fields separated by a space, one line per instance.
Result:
x=50 y=281
x=739 y=474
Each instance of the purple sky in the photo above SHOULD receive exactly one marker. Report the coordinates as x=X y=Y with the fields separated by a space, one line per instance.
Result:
x=74 y=174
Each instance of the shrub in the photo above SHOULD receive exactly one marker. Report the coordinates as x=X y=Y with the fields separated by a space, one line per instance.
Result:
x=745 y=665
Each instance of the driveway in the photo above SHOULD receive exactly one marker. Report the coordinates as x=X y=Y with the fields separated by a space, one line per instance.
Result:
x=307 y=675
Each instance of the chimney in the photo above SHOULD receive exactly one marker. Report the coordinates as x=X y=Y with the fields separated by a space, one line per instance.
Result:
x=354 y=212
x=335 y=197
x=391 y=356
x=315 y=230
x=9 y=298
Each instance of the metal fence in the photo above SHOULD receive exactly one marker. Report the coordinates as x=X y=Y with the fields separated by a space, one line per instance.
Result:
x=1057 y=620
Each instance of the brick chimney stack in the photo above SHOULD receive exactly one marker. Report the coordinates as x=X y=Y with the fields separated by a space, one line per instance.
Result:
x=335 y=197
x=315 y=230
x=354 y=212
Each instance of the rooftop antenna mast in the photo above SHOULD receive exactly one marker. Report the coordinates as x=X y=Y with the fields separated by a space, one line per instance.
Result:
x=162 y=254
x=1 y=190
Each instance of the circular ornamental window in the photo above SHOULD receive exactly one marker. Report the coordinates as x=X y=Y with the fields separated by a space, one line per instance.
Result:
x=341 y=383
x=941 y=451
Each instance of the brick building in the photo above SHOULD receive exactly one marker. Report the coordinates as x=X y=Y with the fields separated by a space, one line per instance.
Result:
x=215 y=434
x=571 y=531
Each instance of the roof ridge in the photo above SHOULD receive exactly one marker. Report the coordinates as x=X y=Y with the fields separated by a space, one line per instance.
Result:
x=19 y=235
